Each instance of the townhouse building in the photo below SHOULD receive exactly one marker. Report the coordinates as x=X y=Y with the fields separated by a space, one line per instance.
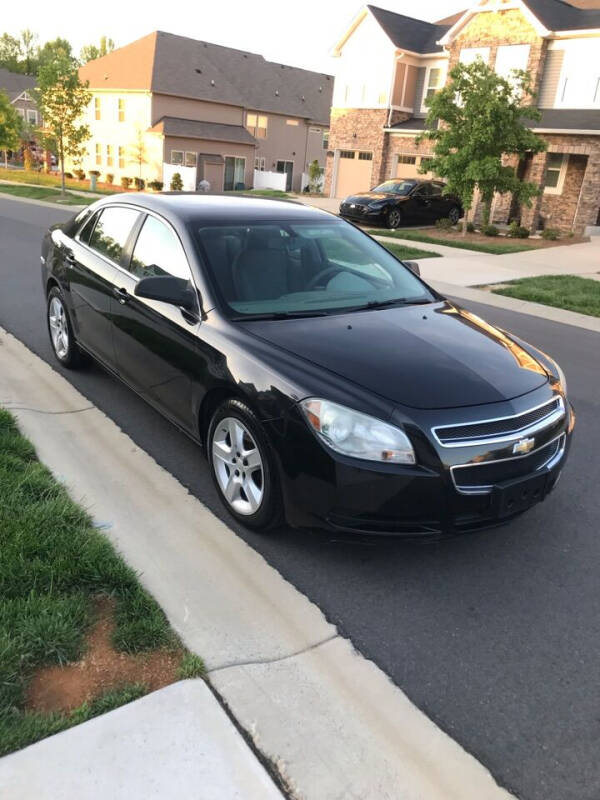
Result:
x=224 y=112
x=19 y=89
x=389 y=64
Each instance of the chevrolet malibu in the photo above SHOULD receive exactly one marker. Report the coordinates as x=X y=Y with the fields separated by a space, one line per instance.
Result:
x=328 y=384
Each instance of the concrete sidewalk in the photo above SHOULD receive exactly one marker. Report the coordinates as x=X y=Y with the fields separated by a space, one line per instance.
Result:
x=174 y=743
x=332 y=722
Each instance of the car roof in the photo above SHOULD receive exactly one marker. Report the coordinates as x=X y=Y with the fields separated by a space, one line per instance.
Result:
x=192 y=206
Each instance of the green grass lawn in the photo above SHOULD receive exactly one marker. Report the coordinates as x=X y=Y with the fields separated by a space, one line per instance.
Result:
x=53 y=565
x=481 y=247
x=49 y=179
x=405 y=253
x=561 y=291
x=46 y=193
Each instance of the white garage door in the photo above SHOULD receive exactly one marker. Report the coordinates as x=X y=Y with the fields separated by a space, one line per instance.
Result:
x=409 y=165
x=353 y=172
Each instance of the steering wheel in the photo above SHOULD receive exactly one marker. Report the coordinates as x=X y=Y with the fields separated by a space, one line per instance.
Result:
x=314 y=281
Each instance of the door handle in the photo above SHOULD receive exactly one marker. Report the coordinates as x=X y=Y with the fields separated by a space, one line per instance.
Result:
x=69 y=259
x=122 y=295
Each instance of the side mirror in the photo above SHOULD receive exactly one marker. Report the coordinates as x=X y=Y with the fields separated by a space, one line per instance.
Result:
x=413 y=267
x=167 y=289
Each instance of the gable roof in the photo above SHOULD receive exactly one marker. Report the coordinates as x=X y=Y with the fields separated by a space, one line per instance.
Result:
x=14 y=83
x=212 y=131
x=177 y=65
x=409 y=33
x=557 y=15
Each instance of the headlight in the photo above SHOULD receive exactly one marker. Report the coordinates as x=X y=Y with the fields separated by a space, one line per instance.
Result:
x=561 y=375
x=354 y=434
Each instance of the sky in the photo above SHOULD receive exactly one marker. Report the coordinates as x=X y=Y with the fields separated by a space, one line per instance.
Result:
x=299 y=33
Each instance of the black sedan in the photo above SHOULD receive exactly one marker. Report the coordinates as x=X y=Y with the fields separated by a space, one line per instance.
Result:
x=326 y=381
x=395 y=202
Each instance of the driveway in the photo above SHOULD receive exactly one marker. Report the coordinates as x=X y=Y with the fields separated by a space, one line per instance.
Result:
x=495 y=636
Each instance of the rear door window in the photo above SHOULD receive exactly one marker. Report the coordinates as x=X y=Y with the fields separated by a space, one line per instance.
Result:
x=112 y=231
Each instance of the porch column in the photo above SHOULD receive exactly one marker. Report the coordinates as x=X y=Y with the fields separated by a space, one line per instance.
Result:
x=530 y=217
x=588 y=204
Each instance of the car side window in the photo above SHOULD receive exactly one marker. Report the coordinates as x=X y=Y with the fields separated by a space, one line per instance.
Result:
x=86 y=230
x=112 y=231
x=423 y=190
x=435 y=190
x=158 y=252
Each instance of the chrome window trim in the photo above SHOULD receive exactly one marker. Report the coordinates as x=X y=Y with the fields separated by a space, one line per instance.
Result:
x=486 y=489
x=535 y=427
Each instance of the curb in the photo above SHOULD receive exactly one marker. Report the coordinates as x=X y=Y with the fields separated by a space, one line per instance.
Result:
x=549 y=313
x=330 y=720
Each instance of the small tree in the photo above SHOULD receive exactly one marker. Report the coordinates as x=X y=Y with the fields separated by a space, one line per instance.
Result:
x=176 y=182
x=475 y=121
x=315 y=172
x=62 y=99
x=10 y=126
x=137 y=150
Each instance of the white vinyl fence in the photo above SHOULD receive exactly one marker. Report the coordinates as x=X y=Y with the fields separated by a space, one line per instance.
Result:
x=269 y=180
x=188 y=176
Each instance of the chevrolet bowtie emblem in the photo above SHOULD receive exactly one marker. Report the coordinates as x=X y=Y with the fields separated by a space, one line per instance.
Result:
x=523 y=447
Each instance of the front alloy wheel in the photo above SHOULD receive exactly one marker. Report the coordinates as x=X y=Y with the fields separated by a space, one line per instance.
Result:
x=394 y=218
x=454 y=215
x=242 y=465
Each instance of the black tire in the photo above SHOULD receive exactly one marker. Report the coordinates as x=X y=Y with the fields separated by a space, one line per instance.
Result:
x=70 y=356
x=269 y=513
x=394 y=218
x=454 y=215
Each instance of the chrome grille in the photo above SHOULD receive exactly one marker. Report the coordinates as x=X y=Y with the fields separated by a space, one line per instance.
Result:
x=504 y=428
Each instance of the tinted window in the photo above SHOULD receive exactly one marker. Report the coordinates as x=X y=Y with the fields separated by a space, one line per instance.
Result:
x=303 y=267
x=84 y=234
x=112 y=231
x=423 y=191
x=435 y=189
x=395 y=187
x=158 y=252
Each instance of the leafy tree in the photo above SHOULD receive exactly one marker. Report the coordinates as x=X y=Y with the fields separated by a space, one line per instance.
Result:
x=62 y=99
x=10 y=125
x=137 y=150
x=90 y=51
x=315 y=171
x=56 y=50
x=475 y=121
x=10 y=53
x=29 y=50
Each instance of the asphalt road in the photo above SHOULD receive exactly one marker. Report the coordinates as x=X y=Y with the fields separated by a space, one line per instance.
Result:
x=496 y=636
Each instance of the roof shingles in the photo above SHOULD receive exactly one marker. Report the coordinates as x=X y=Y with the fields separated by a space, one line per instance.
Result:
x=195 y=129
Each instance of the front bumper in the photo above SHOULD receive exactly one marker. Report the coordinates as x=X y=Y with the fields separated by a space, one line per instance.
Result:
x=326 y=490
x=362 y=214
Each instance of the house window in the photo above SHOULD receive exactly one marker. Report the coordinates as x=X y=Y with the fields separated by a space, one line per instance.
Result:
x=257 y=125
x=325 y=140
x=121 y=109
x=346 y=153
x=32 y=116
x=260 y=164
x=511 y=57
x=365 y=156
x=191 y=159
x=98 y=154
x=177 y=157
x=121 y=153
x=404 y=159
x=235 y=172
x=292 y=122
x=468 y=55
x=556 y=170
x=109 y=155
x=97 y=108
x=21 y=112
x=434 y=82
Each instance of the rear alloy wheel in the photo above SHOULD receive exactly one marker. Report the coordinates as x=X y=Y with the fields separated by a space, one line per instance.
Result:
x=61 y=332
x=454 y=215
x=394 y=218
x=243 y=466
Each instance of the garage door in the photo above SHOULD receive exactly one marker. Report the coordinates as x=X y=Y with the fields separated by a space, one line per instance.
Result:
x=409 y=165
x=353 y=172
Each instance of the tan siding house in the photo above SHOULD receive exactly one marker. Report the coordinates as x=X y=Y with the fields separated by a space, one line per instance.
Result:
x=171 y=99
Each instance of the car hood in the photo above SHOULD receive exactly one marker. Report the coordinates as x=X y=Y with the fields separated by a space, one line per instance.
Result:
x=427 y=357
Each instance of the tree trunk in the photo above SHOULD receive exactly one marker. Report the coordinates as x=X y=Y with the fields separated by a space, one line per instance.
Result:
x=61 y=156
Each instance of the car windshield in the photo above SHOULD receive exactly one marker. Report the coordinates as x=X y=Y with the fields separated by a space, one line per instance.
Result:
x=303 y=268
x=395 y=187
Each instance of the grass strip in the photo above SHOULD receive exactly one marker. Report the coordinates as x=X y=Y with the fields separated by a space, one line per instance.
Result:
x=560 y=291
x=405 y=253
x=46 y=193
x=499 y=249
x=46 y=179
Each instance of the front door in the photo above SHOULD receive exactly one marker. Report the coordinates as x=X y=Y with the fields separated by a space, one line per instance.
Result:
x=288 y=168
x=155 y=342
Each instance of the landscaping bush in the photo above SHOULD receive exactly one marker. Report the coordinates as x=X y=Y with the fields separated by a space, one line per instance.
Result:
x=516 y=231
x=95 y=172
x=140 y=184
x=79 y=174
x=155 y=185
x=125 y=182
x=551 y=234
x=489 y=230
x=69 y=175
x=110 y=177
x=443 y=224
x=470 y=227
x=176 y=182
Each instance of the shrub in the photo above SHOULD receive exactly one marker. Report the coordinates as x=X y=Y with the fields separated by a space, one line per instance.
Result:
x=489 y=230
x=79 y=174
x=516 y=231
x=155 y=185
x=551 y=234
x=125 y=182
x=470 y=227
x=110 y=177
x=140 y=183
x=176 y=182
x=443 y=224
x=95 y=172
x=68 y=175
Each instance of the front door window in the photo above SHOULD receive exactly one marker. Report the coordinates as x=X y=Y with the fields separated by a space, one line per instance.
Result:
x=235 y=171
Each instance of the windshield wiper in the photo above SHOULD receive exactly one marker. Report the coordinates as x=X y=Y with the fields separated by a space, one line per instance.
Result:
x=279 y=315
x=409 y=301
